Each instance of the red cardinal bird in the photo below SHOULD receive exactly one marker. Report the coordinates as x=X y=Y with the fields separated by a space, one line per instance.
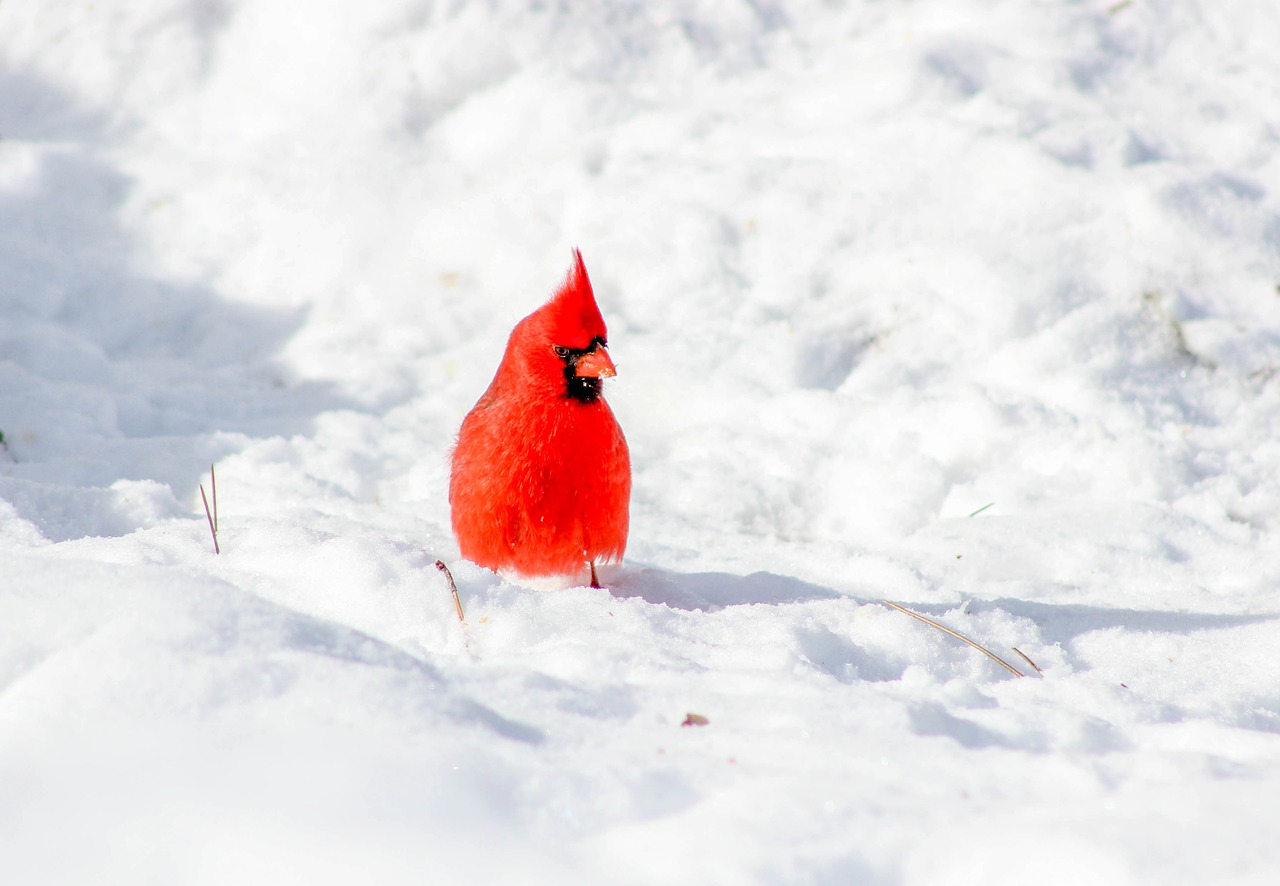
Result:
x=541 y=479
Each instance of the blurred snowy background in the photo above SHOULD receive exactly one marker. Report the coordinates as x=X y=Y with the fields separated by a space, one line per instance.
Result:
x=869 y=268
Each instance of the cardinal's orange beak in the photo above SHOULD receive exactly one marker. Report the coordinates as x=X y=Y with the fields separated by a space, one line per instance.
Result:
x=595 y=365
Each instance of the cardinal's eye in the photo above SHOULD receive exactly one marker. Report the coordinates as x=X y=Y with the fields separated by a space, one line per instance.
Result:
x=561 y=352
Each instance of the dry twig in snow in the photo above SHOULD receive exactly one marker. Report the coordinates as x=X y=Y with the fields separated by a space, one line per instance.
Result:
x=453 y=589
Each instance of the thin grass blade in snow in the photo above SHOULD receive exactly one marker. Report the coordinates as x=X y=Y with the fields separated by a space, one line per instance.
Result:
x=959 y=636
x=212 y=516
x=1028 y=660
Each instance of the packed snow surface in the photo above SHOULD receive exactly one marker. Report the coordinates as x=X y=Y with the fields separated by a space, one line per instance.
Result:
x=969 y=305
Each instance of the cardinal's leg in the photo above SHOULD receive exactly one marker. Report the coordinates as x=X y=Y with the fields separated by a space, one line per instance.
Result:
x=595 y=582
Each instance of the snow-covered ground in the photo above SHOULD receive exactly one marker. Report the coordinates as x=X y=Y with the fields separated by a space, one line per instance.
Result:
x=970 y=305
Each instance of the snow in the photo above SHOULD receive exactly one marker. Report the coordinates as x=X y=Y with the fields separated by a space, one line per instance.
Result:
x=970 y=306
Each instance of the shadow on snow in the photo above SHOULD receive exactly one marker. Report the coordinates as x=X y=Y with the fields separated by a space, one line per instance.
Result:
x=107 y=373
x=710 y=591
